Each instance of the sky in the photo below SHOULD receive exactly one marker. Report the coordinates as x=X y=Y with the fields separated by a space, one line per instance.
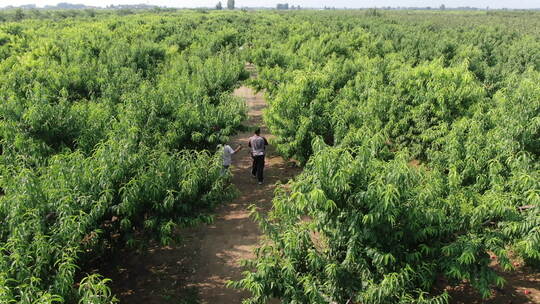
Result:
x=304 y=3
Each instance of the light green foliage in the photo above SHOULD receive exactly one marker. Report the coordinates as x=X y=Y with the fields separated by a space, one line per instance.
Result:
x=360 y=228
x=109 y=120
x=108 y=128
x=419 y=134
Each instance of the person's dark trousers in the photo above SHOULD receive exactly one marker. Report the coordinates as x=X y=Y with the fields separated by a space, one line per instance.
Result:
x=258 y=167
x=253 y=167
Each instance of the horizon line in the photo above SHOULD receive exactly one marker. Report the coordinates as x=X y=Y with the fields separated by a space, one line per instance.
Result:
x=35 y=6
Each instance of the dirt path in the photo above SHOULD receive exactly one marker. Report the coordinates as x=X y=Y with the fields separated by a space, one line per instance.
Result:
x=233 y=236
x=522 y=287
x=209 y=255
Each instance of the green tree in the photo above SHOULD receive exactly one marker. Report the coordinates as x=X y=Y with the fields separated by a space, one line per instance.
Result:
x=90 y=12
x=19 y=14
x=230 y=4
x=219 y=6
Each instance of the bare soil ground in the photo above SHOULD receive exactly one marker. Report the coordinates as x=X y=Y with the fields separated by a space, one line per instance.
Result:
x=198 y=268
x=522 y=287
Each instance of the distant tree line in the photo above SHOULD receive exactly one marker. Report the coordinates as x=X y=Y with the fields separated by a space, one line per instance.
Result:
x=230 y=5
x=69 y=6
x=19 y=14
x=285 y=6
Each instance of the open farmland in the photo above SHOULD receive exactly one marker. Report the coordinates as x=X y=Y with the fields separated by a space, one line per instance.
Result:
x=418 y=134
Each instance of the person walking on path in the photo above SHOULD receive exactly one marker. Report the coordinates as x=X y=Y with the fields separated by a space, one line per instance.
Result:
x=258 y=144
x=227 y=156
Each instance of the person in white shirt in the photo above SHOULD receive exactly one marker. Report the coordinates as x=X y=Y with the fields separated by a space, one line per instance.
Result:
x=227 y=156
x=258 y=144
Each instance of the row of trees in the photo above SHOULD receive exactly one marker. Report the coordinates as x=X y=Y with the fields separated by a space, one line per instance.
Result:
x=18 y=14
x=108 y=129
x=419 y=135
